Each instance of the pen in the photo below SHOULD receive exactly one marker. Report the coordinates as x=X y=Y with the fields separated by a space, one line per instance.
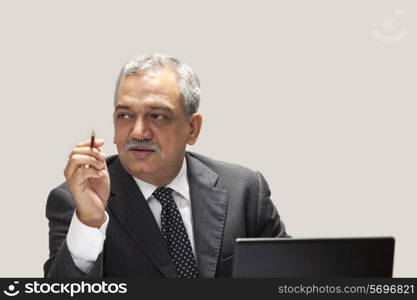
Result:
x=93 y=137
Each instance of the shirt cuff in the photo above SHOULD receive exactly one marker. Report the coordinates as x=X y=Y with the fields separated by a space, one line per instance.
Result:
x=85 y=242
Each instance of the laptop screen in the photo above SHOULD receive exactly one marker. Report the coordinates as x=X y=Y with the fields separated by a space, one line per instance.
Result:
x=314 y=257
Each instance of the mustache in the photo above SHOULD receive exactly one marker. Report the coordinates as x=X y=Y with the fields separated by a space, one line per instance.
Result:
x=142 y=145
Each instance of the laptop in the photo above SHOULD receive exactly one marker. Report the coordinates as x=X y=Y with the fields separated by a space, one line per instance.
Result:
x=313 y=257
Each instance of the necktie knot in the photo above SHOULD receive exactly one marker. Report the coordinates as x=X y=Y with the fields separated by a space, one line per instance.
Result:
x=163 y=195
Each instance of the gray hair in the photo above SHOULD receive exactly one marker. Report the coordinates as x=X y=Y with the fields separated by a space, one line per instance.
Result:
x=189 y=85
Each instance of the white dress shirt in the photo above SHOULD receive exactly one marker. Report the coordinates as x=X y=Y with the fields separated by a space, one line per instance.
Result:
x=85 y=243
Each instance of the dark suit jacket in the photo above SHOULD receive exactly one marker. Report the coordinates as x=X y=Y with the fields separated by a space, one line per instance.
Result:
x=228 y=201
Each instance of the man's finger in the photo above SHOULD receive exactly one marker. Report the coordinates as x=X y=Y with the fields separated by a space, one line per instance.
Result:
x=80 y=161
x=97 y=143
x=100 y=156
x=82 y=174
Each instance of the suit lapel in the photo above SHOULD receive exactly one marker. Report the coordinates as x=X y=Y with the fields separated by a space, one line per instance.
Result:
x=209 y=206
x=132 y=211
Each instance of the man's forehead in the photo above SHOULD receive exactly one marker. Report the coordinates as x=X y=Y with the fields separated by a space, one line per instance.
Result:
x=155 y=78
x=166 y=75
x=126 y=105
x=164 y=81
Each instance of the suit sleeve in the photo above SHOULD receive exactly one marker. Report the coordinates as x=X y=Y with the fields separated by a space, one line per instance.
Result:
x=59 y=211
x=269 y=223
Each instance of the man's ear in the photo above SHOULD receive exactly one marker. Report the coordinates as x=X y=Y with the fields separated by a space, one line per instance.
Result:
x=114 y=128
x=195 y=124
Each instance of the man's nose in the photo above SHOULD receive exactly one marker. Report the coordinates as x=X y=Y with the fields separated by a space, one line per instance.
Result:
x=141 y=130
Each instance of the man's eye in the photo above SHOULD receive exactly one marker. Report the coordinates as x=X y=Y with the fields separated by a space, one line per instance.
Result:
x=123 y=116
x=158 y=117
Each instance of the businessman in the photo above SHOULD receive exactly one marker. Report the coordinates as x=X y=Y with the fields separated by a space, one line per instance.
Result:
x=155 y=209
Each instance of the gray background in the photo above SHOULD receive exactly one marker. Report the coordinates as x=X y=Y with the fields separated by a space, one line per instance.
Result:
x=300 y=90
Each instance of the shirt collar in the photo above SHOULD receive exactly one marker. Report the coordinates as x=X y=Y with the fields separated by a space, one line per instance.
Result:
x=179 y=184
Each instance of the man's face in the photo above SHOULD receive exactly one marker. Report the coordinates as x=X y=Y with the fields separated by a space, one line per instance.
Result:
x=149 y=118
